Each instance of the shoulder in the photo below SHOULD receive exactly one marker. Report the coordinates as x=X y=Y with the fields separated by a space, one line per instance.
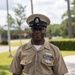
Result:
x=21 y=48
x=54 y=46
x=51 y=46
x=55 y=49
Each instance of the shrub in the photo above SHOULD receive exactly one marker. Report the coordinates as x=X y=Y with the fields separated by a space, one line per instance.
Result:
x=4 y=42
x=64 y=45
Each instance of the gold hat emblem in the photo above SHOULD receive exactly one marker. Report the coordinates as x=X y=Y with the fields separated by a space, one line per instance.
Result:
x=36 y=20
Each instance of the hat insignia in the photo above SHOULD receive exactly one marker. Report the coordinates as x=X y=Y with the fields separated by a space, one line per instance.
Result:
x=36 y=20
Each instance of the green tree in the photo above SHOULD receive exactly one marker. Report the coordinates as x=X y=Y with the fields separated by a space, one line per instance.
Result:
x=54 y=30
x=65 y=19
x=28 y=31
x=64 y=29
x=73 y=9
x=1 y=31
x=19 y=19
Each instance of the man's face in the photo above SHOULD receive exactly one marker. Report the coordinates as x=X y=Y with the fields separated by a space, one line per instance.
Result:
x=38 y=33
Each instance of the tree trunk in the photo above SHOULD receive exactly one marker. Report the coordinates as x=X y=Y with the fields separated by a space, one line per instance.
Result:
x=0 y=37
x=69 y=21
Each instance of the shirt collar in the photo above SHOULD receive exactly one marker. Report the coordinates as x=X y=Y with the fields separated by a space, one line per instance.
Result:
x=45 y=45
x=29 y=45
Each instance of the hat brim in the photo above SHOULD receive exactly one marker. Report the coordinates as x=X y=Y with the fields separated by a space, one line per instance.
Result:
x=42 y=18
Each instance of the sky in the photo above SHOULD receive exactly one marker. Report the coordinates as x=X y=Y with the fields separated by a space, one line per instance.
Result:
x=54 y=9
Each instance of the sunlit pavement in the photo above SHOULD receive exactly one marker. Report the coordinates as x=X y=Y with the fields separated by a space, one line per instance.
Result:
x=6 y=48
x=70 y=62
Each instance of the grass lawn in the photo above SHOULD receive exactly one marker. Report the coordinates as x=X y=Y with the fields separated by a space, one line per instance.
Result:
x=5 y=61
x=19 y=42
x=67 y=53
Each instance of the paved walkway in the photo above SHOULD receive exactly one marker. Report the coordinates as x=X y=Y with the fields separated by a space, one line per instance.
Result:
x=69 y=60
x=6 y=48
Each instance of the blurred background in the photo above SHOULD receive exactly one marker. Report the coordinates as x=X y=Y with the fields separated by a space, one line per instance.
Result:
x=14 y=30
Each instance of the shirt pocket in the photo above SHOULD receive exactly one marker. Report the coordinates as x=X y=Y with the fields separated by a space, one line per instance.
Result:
x=47 y=62
x=27 y=65
x=25 y=61
x=47 y=67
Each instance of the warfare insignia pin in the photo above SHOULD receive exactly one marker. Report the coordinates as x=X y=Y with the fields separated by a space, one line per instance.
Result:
x=48 y=57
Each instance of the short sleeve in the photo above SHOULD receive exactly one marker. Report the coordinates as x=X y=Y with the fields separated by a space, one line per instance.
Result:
x=15 y=66
x=59 y=64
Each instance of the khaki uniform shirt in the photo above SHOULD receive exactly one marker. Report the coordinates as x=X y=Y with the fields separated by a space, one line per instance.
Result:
x=47 y=61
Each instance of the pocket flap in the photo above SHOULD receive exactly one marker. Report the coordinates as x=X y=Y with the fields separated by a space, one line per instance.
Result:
x=25 y=61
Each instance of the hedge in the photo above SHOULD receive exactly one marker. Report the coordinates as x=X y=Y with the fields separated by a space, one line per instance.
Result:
x=4 y=42
x=64 y=45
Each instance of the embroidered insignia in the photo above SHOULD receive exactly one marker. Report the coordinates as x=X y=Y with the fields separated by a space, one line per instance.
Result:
x=48 y=57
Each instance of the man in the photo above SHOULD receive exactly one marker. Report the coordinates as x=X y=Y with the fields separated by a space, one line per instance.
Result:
x=38 y=57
